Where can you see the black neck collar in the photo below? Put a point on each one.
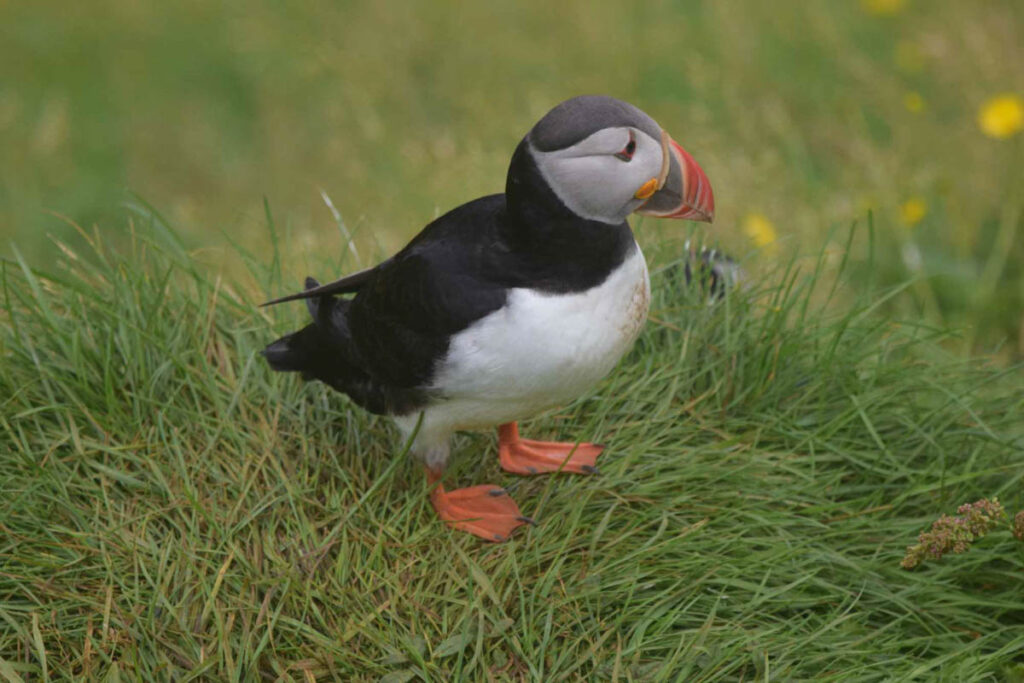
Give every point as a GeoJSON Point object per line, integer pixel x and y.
{"type": "Point", "coordinates": [563, 250]}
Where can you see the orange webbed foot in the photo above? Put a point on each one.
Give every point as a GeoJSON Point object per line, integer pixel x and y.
{"type": "Point", "coordinates": [525, 456]}
{"type": "Point", "coordinates": [485, 511]}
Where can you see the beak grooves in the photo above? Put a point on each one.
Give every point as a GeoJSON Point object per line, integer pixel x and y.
{"type": "Point", "coordinates": [698, 200]}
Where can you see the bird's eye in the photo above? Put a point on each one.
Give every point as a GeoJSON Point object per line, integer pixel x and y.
{"type": "Point", "coordinates": [626, 153]}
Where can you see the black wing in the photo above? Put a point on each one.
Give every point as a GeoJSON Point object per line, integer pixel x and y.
{"type": "Point", "coordinates": [383, 346]}
{"type": "Point", "coordinates": [403, 319]}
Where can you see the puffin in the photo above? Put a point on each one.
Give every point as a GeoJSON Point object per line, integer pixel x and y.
{"type": "Point", "coordinates": [508, 305]}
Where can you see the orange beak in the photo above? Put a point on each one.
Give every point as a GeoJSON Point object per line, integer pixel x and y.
{"type": "Point", "coordinates": [685, 191]}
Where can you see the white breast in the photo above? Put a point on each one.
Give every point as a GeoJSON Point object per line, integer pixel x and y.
{"type": "Point", "coordinates": [541, 350]}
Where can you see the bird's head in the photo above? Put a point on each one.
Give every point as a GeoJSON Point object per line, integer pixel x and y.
{"type": "Point", "coordinates": [605, 159]}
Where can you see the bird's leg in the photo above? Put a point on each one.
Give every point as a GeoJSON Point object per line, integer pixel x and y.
{"type": "Point", "coordinates": [485, 511]}
{"type": "Point", "coordinates": [525, 456]}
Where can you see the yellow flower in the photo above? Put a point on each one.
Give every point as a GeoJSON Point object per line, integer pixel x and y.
{"type": "Point", "coordinates": [1001, 116]}
{"type": "Point", "coordinates": [883, 7]}
{"type": "Point", "coordinates": [760, 230]}
{"type": "Point", "coordinates": [913, 210]}
{"type": "Point", "coordinates": [913, 102]}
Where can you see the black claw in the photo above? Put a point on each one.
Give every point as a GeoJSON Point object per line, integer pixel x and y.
{"type": "Point", "coordinates": [499, 537]}
{"type": "Point", "coordinates": [531, 470]}
{"type": "Point", "coordinates": [497, 492]}
{"type": "Point", "coordinates": [590, 470]}
{"type": "Point", "coordinates": [527, 520]}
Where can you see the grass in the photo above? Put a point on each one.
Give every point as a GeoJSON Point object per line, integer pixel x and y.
{"type": "Point", "coordinates": [172, 510]}
{"type": "Point", "coordinates": [799, 112]}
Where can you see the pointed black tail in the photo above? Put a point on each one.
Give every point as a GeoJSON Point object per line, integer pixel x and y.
{"type": "Point", "coordinates": [320, 350]}
{"type": "Point", "coordinates": [296, 352]}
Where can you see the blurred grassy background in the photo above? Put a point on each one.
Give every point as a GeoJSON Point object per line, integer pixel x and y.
{"type": "Point", "coordinates": [804, 115]}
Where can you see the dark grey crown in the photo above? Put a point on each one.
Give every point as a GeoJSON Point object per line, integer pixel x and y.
{"type": "Point", "coordinates": [580, 117]}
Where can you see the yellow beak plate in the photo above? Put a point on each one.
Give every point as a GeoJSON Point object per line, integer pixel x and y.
{"type": "Point", "coordinates": [647, 189]}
